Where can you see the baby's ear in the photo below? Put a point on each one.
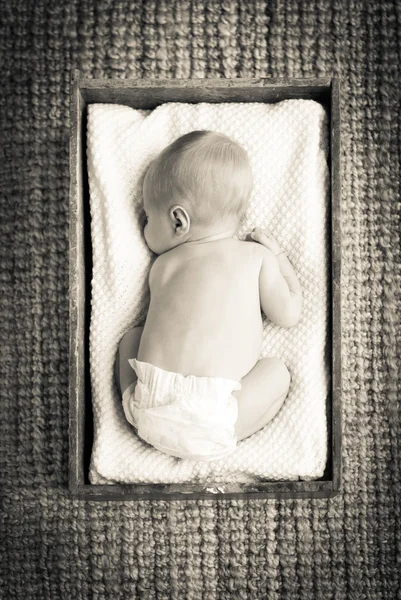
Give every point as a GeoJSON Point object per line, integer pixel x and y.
{"type": "Point", "coordinates": [180, 219]}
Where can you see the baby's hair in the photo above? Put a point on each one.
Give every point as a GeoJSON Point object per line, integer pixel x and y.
{"type": "Point", "coordinates": [205, 171]}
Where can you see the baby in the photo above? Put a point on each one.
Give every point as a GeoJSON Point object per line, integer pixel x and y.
{"type": "Point", "coordinates": [191, 380]}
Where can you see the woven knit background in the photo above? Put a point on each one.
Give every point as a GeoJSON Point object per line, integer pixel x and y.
{"type": "Point", "coordinates": [53, 547]}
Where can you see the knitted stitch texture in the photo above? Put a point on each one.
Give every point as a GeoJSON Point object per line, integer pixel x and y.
{"type": "Point", "coordinates": [348, 547]}
{"type": "Point", "coordinates": [287, 145]}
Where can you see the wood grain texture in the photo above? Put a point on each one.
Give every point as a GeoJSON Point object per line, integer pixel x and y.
{"type": "Point", "coordinates": [147, 94]}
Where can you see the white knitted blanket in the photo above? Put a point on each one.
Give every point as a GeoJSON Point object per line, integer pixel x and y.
{"type": "Point", "coordinates": [287, 144]}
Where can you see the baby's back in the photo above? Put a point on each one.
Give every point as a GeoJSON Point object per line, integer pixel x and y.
{"type": "Point", "coordinates": [204, 316]}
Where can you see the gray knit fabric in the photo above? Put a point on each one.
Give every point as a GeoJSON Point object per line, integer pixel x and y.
{"type": "Point", "coordinates": [53, 547]}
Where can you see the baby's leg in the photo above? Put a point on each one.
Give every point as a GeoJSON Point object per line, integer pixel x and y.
{"type": "Point", "coordinates": [127, 348]}
{"type": "Point", "coordinates": [263, 392]}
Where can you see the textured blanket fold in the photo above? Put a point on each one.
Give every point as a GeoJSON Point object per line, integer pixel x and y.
{"type": "Point", "coordinates": [287, 143]}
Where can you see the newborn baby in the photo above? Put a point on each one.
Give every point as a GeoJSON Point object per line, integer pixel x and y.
{"type": "Point", "coordinates": [191, 380]}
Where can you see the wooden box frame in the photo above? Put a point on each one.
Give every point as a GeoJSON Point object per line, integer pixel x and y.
{"type": "Point", "coordinates": [148, 93]}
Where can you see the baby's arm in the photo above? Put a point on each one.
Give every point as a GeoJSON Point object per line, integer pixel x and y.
{"type": "Point", "coordinates": [280, 291]}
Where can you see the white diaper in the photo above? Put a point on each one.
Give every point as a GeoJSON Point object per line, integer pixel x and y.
{"type": "Point", "coordinates": [185, 416]}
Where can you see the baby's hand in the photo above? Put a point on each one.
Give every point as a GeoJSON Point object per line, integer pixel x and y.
{"type": "Point", "coordinates": [261, 236]}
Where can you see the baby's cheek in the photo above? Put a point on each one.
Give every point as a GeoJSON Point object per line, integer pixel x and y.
{"type": "Point", "coordinates": [150, 240]}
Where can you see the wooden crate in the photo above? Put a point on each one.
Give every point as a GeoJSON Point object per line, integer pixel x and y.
{"type": "Point", "coordinates": [147, 94]}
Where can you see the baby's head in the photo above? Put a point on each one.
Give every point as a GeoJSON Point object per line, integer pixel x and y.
{"type": "Point", "coordinates": [198, 186]}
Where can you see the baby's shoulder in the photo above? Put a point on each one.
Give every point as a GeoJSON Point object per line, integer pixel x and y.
{"type": "Point", "coordinates": [252, 250]}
